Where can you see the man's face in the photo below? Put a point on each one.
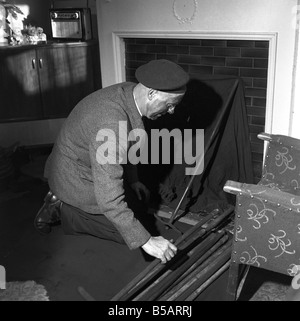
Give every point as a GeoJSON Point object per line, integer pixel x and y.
{"type": "Point", "coordinates": [160, 103]}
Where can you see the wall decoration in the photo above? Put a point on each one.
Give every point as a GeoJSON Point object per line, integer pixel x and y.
{"type": "Point", "coordinates": [185, 10]}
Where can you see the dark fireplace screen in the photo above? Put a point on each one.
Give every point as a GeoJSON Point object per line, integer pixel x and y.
{"type": "Point", "coordinates": [215, 104]}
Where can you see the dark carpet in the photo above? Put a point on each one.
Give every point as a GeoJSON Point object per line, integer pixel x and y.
{"type": "Point", "coordinates": [62, 263]}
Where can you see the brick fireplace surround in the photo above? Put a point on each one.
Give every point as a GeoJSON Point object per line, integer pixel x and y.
{"type": "Point", "coordinates": [246, 59]}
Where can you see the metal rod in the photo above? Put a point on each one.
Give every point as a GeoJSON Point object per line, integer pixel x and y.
{"type": "Point", "coordinates": [204, 272]}
{"type": "Point", "coordinates": [194, 269]}
{"type": "Point", "coordinates": [208, 282]}
{"type": "Point", "coordinates": [212, 136]}
{"type": "Point", "coordinates": [162, 283]}
{"type": "Point", "coordinates": [148, 275]}
{"type": "Point", "coordinates": [192, 235]}
{"type": "Point", "coordinates": [159, 286]}
{"type": "Point", "coordinates": [172, 226]}
{"type": "Point", "coordinates": [223, 240]}
{"type": "Point", "coordinates": [154, 266]}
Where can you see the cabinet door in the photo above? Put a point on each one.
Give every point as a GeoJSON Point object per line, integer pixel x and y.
{"type": "Point", "coordinates": [19, 85]}
{"type": "Point", "coordinates": [66, 76]}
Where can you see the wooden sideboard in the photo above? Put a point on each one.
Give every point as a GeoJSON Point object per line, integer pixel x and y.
{"type": "Point", "coordinates": [46, 81]}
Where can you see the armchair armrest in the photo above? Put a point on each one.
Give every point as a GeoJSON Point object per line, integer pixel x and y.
{"type": "Point", "coordinates": [265, 136]}
{"type": "Point", "coordinates": [233, 187]}
{"type": "Point", "coordinates": [287, 141]}
{"type": "Point", "coordinates": [264, 194]}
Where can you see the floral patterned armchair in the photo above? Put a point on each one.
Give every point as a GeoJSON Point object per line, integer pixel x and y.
{"type": "Point", "coordinates": [267, 215]}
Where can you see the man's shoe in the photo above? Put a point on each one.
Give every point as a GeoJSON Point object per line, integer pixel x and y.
{"type": "Point", "coordinates": [48, 215]}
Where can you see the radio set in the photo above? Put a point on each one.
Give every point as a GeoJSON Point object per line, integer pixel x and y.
{"type": "Point", "coordinates": [71, 24]}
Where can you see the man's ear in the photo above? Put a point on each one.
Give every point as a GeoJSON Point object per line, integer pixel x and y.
{"type": "Point", "coordinates": [151, 93]}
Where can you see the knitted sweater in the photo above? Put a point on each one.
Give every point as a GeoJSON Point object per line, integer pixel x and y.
{"type": "Point", "coordinates": [74, 172]}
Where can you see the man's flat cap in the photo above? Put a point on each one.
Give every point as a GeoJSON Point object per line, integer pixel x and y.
{"type": "Point", "coordinates": [163, 75]}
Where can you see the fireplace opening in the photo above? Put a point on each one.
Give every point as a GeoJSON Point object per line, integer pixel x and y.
{"type": "Point", "coordinates": [246, 59]}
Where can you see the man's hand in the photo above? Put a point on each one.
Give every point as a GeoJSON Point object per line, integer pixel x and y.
{"type": "Point", "coordinates": [160, 248]}
{"type": "Point", "coordinates": [141, 191]}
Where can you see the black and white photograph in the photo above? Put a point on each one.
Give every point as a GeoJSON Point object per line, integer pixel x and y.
{"type": "Point", "coordinates": [150, 153]}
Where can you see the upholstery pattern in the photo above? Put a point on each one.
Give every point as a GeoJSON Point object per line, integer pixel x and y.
{"type": "Point", "coordinates": [267, 229]}
{"type": "Point", "coordinates": [282, 165]}
{"type": "Point", "coordinates": [267, 215]}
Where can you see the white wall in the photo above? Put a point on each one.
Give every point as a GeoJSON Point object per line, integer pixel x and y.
{"type": "Point", "coordinates": [295, 111]}
{"type": "Point", "coordinates": [38, 13]}
{"type": "Point", "coordinates": [210, 16]}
